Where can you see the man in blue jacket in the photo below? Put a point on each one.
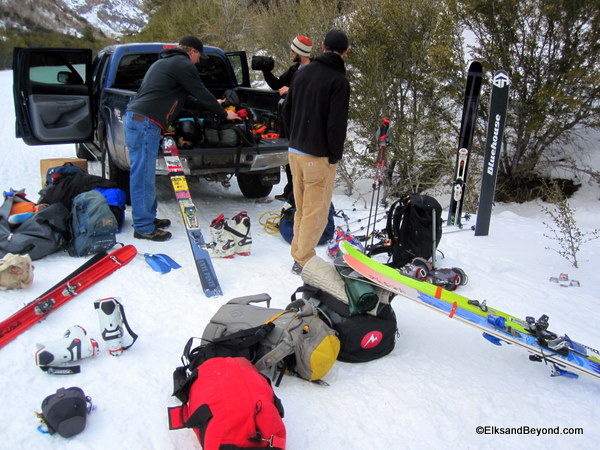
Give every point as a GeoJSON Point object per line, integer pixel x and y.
{"type": "Point", "coordinates": [316, 114]}
{"type": "Point", "coordinates": [165, 88]}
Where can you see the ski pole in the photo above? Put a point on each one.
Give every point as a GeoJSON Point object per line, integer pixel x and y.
{"type": "Point", "coordinates": [383, 139]}
{"type": "Point", "coordinates": [433, 234]}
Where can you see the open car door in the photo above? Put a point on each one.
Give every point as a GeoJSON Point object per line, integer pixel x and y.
{"type": "Point", "coordinates": [52, 94]}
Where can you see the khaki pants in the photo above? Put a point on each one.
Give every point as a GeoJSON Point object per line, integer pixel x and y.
{"type": "Point", "coordinates": [313, 188]}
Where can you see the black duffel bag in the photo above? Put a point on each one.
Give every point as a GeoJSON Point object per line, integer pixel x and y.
{"type": "Point", "coordinates": [363, 337]}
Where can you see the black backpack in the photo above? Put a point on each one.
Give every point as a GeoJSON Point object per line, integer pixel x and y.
{"type": "Point", "coordinates": [410, 229]}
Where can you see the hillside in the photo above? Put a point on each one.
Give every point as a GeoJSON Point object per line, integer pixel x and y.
{"type": "Point", "coordinates": [107, 18]}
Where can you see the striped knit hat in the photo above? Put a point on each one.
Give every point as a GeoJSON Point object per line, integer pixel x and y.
{"type": "Point", "coordinates": [301, 45]}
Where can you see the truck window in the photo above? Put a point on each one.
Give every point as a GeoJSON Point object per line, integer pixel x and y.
{"type": "Point", "coordinates": [214, 73]}
{"type": "Point", "coordinates": [56, 68]}
{"type": "Point", "coordinates": [132, 69]}
{"type": "Point", "coordinates": [237, 64]}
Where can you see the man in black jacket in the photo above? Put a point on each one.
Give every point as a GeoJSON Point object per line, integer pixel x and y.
{"type": "Point", "coordinates": [163, 93]}
{"type": "Point", "coordinates": [316, 114]}
{"type": "Point", "coordinates": [300, 49]}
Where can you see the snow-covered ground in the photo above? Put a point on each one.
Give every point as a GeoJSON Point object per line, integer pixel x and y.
{"type": "Point", "coordinates": [436, 389]}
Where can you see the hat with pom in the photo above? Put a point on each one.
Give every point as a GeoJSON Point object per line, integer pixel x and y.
{"type": "Point", "coordinates": [302, 45]}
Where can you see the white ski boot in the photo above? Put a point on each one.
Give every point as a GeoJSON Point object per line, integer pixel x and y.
{"type": "Point", "coordinates": [223, 241]}
{"type": "Point", "coordinates": [54, 357]}
{"type": "Point", "coordinates": [111, 324]}
{"type": "Point", "coordinates": [240, 229]}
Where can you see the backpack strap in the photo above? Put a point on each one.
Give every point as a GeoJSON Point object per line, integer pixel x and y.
{"type": "Point", "coordinates": [132, 334]}
{"type": "Point", "coordinates": [192, 358]}
{"type": "Point", "coordinates": [301, 308]}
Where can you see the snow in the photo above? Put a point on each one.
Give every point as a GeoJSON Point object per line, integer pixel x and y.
{"type": "Point", "coordinates": [440, 383]}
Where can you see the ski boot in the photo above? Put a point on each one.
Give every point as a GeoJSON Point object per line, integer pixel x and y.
{"type": "Point", "coordinates": [111, 324]}
{"type": "Point", "coordinates": [240, 229]}
{"type": "Point", "coordinates": [449, 279]}
{"type": "Point", "coordinates": [54, 357]}
{"type": "Point", "coordinates": [418, 269]}
{"type": "Point", "coordinates": [223, 242]}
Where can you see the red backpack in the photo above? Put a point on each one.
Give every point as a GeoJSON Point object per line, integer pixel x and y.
{"type": "Point", "coordinates": [231, 406]}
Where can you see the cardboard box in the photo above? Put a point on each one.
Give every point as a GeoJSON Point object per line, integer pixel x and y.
{"type": "Point", "coordinates": [46, 164]}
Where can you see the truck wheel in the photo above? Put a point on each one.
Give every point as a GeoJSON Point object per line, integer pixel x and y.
{"type": "Point", "coordinates": [111, 172]}
{"type": "Point", "coordinates": [251, 185]}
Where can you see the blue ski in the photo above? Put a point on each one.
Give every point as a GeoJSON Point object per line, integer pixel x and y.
{"type": "Point", "coordinates": [189, 213]}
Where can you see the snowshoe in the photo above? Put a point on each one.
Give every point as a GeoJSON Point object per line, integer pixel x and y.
{"type": "Point", "coordinates": [223, 241]}
{"type": "Point", "coordinates": [54, 357]}
{"type": "Point", "coordinates": [240, 229]}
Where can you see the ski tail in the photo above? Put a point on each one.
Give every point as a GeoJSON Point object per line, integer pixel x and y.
{"type": "Point", "coordinates": [495, 132]}
{"type": "Point", "coordinates": [467, 129]}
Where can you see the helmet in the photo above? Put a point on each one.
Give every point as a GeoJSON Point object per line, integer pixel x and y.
{"type": "Point", "coordinates": [188, 129]}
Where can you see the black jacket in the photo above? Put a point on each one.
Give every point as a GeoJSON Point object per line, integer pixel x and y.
{"type": "Point", "coordinates": [167, 85]}
{"type": "Point", "coordinates": [284, 80]}
{"type": "Point", "coordinates": [316, 108]}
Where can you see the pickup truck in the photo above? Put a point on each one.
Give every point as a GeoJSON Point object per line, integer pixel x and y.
{"type": "Point", "coordinates": [63, 96]}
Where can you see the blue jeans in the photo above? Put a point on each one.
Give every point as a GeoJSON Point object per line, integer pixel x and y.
{"type": "Point", "coordinates": [143, 140]}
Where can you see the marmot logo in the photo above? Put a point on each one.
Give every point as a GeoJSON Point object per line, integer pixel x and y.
{"type": "Point", "coordinates": [371, 339]}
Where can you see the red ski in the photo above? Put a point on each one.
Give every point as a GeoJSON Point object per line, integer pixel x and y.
{"type": "Point", "coordinates": [87, 275]}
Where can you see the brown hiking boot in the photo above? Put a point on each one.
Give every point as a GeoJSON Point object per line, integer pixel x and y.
{"type": "Point", "coordinates": [162, 223]}
{"type": "Point", "coordinates": [157, 235]}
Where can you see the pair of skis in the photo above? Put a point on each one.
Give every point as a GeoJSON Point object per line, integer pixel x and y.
{"type": "Point", "coordinates": [566, 356]}
{"type": "Point", "coordinates": [95, 269]}
{"type": "Point", "coordinates": [497, 117]}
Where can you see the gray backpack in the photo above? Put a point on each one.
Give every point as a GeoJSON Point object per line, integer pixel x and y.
{"type": "Point", "coordinates": [40, 235]}
{"type": "Point", "coordinates": [300, 342]}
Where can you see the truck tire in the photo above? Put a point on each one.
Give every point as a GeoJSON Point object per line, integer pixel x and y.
{"type": "Point", "coordinates": [111, 172]}
{"type": "Point", "coordinates": [251, 186]}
